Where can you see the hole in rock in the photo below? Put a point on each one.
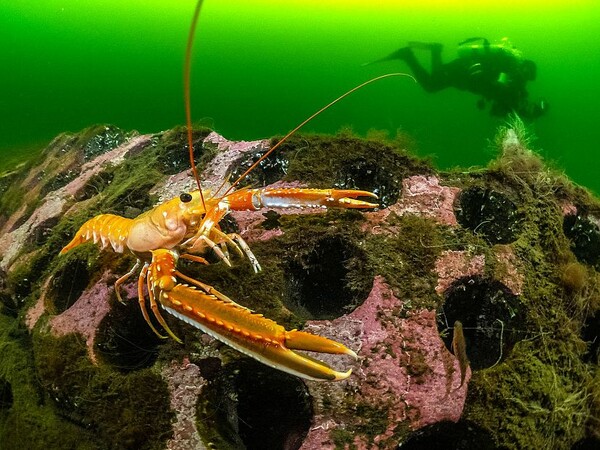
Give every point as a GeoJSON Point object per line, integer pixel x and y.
{"type": "Point", "coordinates": [173, 155]}
{"type": "Point", "coordinates": [591, 334]}
{"type": "Point", "coordinates": [124, 340]}
{"type": "Point", "coordinates": [59, 180]}
{"type": "Point", "coordinates": [9, 304]}
{"type": "Point", "coordinates": [589, 443]}
{"type": "Point", "coordinates": [446, 435]}
{"type": "Point", "coordinates": [106, 138]}
{"type": "Point", "coordinates": [584, 235]}
{"type": "Point", "coordinates": [369, 176]}
{"type": "Point", "coordinates": [252, 406]}
{"type": "Point", "coordinates": [6, 395]}
{"type": "Point", "coordinates": [488, 213]}
{"type": "Point", "coordinates": [228, 224]}
{"type": "Point", "coordinates": [271, 169]}
{"type": "Point", "coordinates": [69, 283]}
{"type": "Point", "coordinates": [317, 282]}
{"type": "Point", "coordinates": [491, 318]}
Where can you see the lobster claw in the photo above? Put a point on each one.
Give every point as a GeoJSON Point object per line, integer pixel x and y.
{"type": "Point", "coordinates": [253, 334]}
{"type": "Point", "coordinates": [255, 199]}
{"type": "Point", "coordinates": [205, 308]}
{"type": "Point", "coordinates": [310, 367]}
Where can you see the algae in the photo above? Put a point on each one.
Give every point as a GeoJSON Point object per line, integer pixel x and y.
{"type": "Point", "coordinates": [543, 394]}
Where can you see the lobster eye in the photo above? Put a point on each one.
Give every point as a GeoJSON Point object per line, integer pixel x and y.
{"type": "Point", "coordinates": [185, 197]}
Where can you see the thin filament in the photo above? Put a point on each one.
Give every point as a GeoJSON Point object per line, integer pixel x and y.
{"type": "Point", "coordinates": [272, 149]}
{"type": "Point", "coordinates": [186, 94]}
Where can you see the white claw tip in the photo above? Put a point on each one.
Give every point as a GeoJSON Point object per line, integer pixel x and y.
{"type": "Point", "coordinates": [342, 375]}
{"type": "Point", "coordinates": [351, 353]}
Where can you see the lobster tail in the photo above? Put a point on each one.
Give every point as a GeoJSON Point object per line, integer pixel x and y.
{"type": "Point", "coordinates": [106, 229]}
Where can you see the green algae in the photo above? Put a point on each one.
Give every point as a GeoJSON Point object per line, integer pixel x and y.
{"type": "Point", "coordinates": [544, 404]}
{"type": "Point", "coordinates": [31, 422]}
{"type": "Point", "coordinates": [540, 396]}
{"type": "Point", "coordinates": [129, 412]}
{"type": "Point", "coordinates": [406, 258]}
{"type": "Point", "coordinates": [541, 386]}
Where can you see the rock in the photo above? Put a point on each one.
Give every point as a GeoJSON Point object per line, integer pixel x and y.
{"type": "Point", "coordinates": [390, 284]}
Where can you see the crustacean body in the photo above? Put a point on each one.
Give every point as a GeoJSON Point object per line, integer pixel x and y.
{"type": "Point", "coordinates": [187, 227]}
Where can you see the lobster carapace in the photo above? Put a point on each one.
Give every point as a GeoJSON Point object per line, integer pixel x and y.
{"type": "Point", "coordinates": [188, 227]}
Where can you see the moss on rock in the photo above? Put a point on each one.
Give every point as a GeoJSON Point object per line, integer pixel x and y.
{"type": "Point", "coordinates": [544, 394]}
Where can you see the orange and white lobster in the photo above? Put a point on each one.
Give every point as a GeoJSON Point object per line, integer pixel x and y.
{"type": "Point", "coordinates": [187, 227]}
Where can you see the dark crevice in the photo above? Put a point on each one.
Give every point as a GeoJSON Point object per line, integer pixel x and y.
{"type": "Point", "coordinates": [369, 176]}
{"type": "Point", "coordinates": [584, 235]}
{"type": "Point", "coordinates": [69, 283]}
{"type": "Point", "coordinates": [107, 138]}
{"type": "Point", "coordinates": [491, 318]}
{"type": "Point", "coordinates": [446, 435]}
{"type": "Point", "coordinates": [252, 406]}
{"type": "Point", "coordinates": [488, 213]}
{"type": "Point", "coordinates": [591, 335]}
{"type": "Point", "coordinates": [271, 169]}
{"type": "Point", "coordinates": [125, 341]}
{"type": "Point", "coordinates": [317, 282]}
{"type": "Point", "coordinates": [6, 395]}
{"type": "Point", "coordinates": [589, 443]}
{"type": "Point", "coordinates": [173, 154]}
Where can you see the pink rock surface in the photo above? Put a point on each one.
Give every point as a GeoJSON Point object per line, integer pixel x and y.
{"type": "Point", "coordinates": [36, 311]}
{"type": "Point", "coordinates": [513, 278]}
{"type": "Point", "coordinates": [229, 151]}
{"type": "Point", "coordinates": [216, 172]}
{"type": "Point", "coordinates": [452, 265]}
{"type": "Point", "coordinates": [568, 208]}
{"type": "Point", "coordinates": [422, 196]}
{"type": "Point", "coordinates": [87, 312]}
{"type": "Point", "coordinates": [54, 203]}
{"type": "Point", "coordinates": [185, 384]}
{"type": "Point", "coordinates": [405, 371]}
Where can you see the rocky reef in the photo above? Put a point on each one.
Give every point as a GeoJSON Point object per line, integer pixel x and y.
{"type": "Point", "coordinates": [511, 251]}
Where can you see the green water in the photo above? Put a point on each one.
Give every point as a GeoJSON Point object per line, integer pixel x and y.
{"type": "Point", "coordinates": [262, 66]}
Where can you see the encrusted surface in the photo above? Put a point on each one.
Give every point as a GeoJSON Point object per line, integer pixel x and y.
{"type": "Point", "coordinates": [404, 371]}
{"type": "Point", "coordinates": [395, 266]}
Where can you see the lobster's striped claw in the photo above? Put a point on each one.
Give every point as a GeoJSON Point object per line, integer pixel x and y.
{"type": "Point", "coordinates": [254, 199]}
{"type": "Point", "coordinates": [252, 334]}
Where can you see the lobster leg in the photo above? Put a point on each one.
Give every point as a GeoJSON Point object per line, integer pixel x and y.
{"type": "Point", "coordinates": [198, 259]}
{"type": "Point", "coordinates": [124, 278]}
{"type": "Point", "coordinates": [194, 244]}
{"type": "Point", "coordinates": [237, 326]}
{"type": "Point", "coordinates": [255, 199]}
{"type": "Point", "coordinates": [142, 300]}
{"type": "Point", "coordinates": [246, 250]}
{"type": "Point", "coordinates": [154, 307]}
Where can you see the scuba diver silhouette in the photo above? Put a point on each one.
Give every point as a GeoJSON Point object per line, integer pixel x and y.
{"type": "Point", "coordinates": [496, 72]}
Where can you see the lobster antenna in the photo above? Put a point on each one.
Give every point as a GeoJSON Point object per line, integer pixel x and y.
{"type": "Point", "coordinates": [304, 122]}
{"type": "Point", "coordinates": [186, 94]}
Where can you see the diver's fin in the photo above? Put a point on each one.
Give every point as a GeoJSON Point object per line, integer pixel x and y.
{"type": "Point", "coordinates": [418, 45]}
{"type": "Point", "coordinates": [398, 54]}
{"type": "Point", "coordinates": [474, 39]}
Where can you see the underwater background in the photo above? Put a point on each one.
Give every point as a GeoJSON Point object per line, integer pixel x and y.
{"type": "Point", "coordinates": [262, 66]}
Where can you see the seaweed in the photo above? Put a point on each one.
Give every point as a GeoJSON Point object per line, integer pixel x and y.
{"type": "Point", "coordinates": [544, 393]}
